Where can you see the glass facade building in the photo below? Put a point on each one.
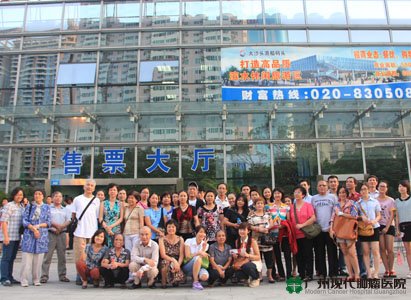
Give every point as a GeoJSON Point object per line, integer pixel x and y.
{"type": "Point", "coordinates": [142, 75]}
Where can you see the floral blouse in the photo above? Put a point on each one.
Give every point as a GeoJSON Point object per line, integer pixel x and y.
{"type": "Point", "coordinates": [210, 219]}
{"type": "Point", "coordinates": [122, 258]}
{"type": "Point", "coordinates": [34, 215]}
{"type": "Point", "coordinates": [93, 260]}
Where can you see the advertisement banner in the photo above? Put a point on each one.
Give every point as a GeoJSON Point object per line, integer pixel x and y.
{"type": "Point", "coordinates": [315, 73]}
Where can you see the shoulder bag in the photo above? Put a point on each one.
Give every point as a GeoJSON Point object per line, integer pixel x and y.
{"type": "Point", "coordinates": [364, 229]}
{"type": "Point", "coordinates": [310, 231]}
{"type": "Point", "coordinates": [74, 222]}
{"type": "Point", "coordinates": [345, 228]}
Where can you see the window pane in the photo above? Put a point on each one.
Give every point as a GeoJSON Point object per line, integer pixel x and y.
{"type": "Point", "coordinates": [328, 36]}
{"type": "Point", "coordinates": [29, 163]}
{"type": "Point", "coordinates": [75, 95]}
{"type": "Point", "coordinates": [201, 92]}
{"type": "Point", "coordinates": [8, 70]}
{"type": "Point", "coordinates": [248, 164]}
{"type": "Point", "coordinates": [243, 36]}
{"type": "Point", "coordinates": [76, 74]}
{"type": "Point", "coordinates": [159, 71]}
{"type": "Point", "coordinates": [38, 70]}
{"type": "Point", "coordinates": [116, 94]}
{"type": "Point", "coordinates": [242, 12]}
{"type": "Point", "coordinates": [119, 39]}
{"type": "Point", "coordinates": [79, 40]}
{"type": "Point", "coordinates": [81, 57]}
{"type": "Point", "coordinates": [284, 12]}
{"type": "Point", "coordinates": [161, 38]}
{"type": "Point", "coordinates": [338, 125]}
{"type": "Point", "coordinates": [366, 12]}
{"type": "Point", "coordinates": [160, 55]}
{"type": "Point", "coordinates": [160, 14]}
{"type": "Point", "coordinates": [144, 163]}
{"type": "Point", "coordinates": [57, 164]}
{"type": "Point", "coordinates": [38, 20]}
{"type": "Point", "coordinates": [40, 42]}
{"type": "Point", "coordinates": [394, 153]}
{"type": "Point", "coordinates": [201, 13]}
{"type": "Point", "coordinates": [202, 127]}
{"type": "Point", "coordinates": [293, 162]}
{"type": "Point", "coordinates": [370, 36]}
{"type": "Point", "coordinates": [118, 129]}
{"type": "Point", "coordinates": [325, 12]}
{"type": "Point", "coordinates": [31, 131]}
{"type": "Point", "coordinates": [74, 129]}
{"type": "Point", "coordinates": [286, 36]}
{"type": "Point", "coordinates": [159, 93]}
{"type": "Point", "coordinates": [35, 96]}
{"type": "Point", "coordinates": [398, 11]}
{"type": "Point", "coordinates": [10, 44]}
{"type": "Point", "coordinates": [11, 18]}
{"type": "Point", "coordinates": [121, 15]}
{"type": "Point", "coordinates": [157, 128]}
{"type": "Point", "coordinates": [201, 65]}
{"type": "Point", "coordinates": [81, 16]}
{"type": "Point", "coordinates": [202, 37]}
{"type": "Point", "coordinates": [341, 158]}
{"type": "Point", "coordinates": [6, 97]}
{"type": "Point", "coordinates": [401, 36]}
{"type": "Point", "coordinates": [118, 67]}
{"type": "Point", "coordinates": [382, 124]}
{"type": "Point", "coordinates": [243, 127]}
{"type": "Point", "coordinates": [207, 179]}
{"type": "Point", "coordinates": [292, 126]}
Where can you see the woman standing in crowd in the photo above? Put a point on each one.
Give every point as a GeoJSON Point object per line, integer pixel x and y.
{"type": "Point", "coordinates": [210, 217]}
{"type": "Point", "coordinates": [152, 218]}
{"type": "Point", "coordinates": [403, 219]}
{"type": "Point", "coordinates": [90, 262]}
{"type": "Point", "coordinates": [133, 220]}
{"type": "Point", "coordinates": [36, 221]}
{"type": "Point", "coordinates": [114, 266]}
{"type": "Point", "coordinates": [346, 208]}
{"type": "Point", "coordinates": [304, 212]}
{"type": "Point", "coordinates": [111, 214]}
{"type": "Point", "coordinates": [370, 212]}
{"type": "Point", "coordinates": [195, 256]}
{"type": "Point", "coordinates": [387, 228]}
{"type": "Point", "coordinates": [144, 194]}
{"type": "Point", "coordinates": [279, 211]}
{"type": "Point", "coordinates": [260, 223]}
{"type": "Point", "coordinates": [234, 217]}
{"type": "Point", "coordinates": [11, 221]}
{"type": "Point", "coordinates": [247, 261]}
{"type": "Point", "coordinates": [267, 195]}
{"type": "Point", "coordinates": [174, 198]}
{"type": "Point", "coordinates": [172, 256]}
{"type": "Point", "coordinates": [186, 217]}
{"type": "Point", "coordinates": [100, 195]}
{"type": "Point", "coordinates": [220, 260]}
{"type": "Point", "coordinates": [167, 208]}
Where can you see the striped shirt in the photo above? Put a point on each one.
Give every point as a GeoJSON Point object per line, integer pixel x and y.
{"type": "Point", "coordinates": [12, 215]}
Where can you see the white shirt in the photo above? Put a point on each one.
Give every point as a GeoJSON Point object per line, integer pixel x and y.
{"type": "Point", "coordinates": [250, 202]}
{"type": "Point", "coordinates": [374, 194]}
{"type": "Point", "coordinates": [87, 226]}
{"type": "Point", "coordinates": [308, 198]}
{"type": "Point", "coordinates": [193, 202]}
{"type": "Point", "coordinates": [221, 204]}
{"type": "Point", "coordinates": [194, 247]}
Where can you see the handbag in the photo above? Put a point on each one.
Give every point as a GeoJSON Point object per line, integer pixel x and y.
{"type": "Point", "coordinates": [345, 228]}
{"type": "Point", "coordinates": [310, 231]}
{"type": "Point", "coordinates": [269, 239]}
{"type": "Point", "coordinates": [74, 221]}
{"type": "Point", "coordinates": [364, 229]}
{"type": "Point", "coordinates": [239, 262]}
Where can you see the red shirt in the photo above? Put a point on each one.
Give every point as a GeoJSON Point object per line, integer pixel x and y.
{"type": "Point", "coordinates": [306, 211]}
{"type": "Point", "coordinates": [354, 196]}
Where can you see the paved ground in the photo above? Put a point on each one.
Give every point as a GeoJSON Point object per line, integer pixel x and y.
{"type": "Point", "coordinates": [57, 290]}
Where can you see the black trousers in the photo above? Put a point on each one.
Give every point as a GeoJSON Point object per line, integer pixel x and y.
{"type": "Point", "coordinates": [278, 261]}
{"type": "Point", "coordinates": [285, 248]}
{"type": "Point", "coordinates": [268, 258]}
{"type": "Point", "coordinates": [247, 270]}
{"type": "Point", "coordinates": [322, 242]}
{"type": "Point", "coordinates": [119, 275]}
{"type": "Point", "coordinates": [305, 257]}
{"type": "Point", "coordinates": [213, 275]}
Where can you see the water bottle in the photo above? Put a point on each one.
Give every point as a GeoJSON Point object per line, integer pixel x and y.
{"type": "Point", "coordinates": [239, 221]}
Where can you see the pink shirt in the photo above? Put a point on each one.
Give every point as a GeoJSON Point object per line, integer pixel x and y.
{"type": "Point", "coordinates": [387, 206]}
{"type": "Point", "coordinates": [305, 212]}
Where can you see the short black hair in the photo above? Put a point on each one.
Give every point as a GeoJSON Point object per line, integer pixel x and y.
{"type": "Point", "coordinates": [302, 189]}
{"type": "Point", "coordinates": [111, 185]}
{"type": "Point", "coordinates": [304, 180]}
{"type": "Point", "coordinates": [332, 177]}
{"type": "Point", "coordinates": [406, 183]}
{"type": "Point", "coordinates": [353, 178]}
{"type": "Point", "coordinates": [372, 176]}
{"type": "Point", "coordinates": [98, 232]}
{"type": "Point", "coordinates": [243, 186]}
{"type": "Point", "coordinates": [14, 192]}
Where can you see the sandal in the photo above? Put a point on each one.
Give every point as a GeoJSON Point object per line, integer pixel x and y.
{"type": "Point", "coordinates": [64, 279]}
{"type": "Point", "coordinates": [84, 285]}
{"type": "Point", "coordinates": [387, 274]}
{"type": "Point", "coordinates": [392, 274]}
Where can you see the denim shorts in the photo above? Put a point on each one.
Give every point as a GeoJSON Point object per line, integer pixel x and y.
{"type": "Point", "coordinates": [188, 268]}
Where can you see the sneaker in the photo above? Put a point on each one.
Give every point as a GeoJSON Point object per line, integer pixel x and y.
{"type": "Point", "coordinates": [24, 284]}
{"type": "Point", "coordinates": [409, 275]}
{"type": "Point", "coordinates": [43, 280]}
{"type": "Point", "coordinates": [197, 286]}
{"type": "Point", "coordinates": [14, 281]}
{"type": "Point", "coordinates": [6, 283]}
{"type": "Point", "coordinates": [254, 283]}
{"type": "Point", "coordinates": [37, 284]}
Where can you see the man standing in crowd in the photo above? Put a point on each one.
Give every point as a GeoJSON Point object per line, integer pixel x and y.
{"type": "Point", "coordinates": [333, 185]}
{"type": "Point", "coordinates": [192, 195]}
{"type": "Point", "coordinates": [122, 195]}
{"type": "Point", "coordinates": [323, 204]}
{"type": "Point", "coordinates": [221, 200]}
{"type": "Point", "coordinates": [57, 239]}
{"type": "Point", "coordinates": [372, 183]}
{"type": "Point", "coordinates": [255, 195]}
{"type": "Point", "coordinates": [144, 259]}
{"type": "Point", "coordinates": [245, 189]}
{"type": "Point", "coordinates": [306, 184]}
{"type": "Point", "coordinates": [87, 226]}
{"type": "Point", "coordinates": [351, 185]}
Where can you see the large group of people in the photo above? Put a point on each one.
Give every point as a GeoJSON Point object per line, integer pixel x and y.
{"type": "Point", "coordinates": [211, 237]}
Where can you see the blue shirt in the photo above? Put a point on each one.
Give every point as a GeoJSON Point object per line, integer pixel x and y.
{"type": "Point", "coordinates": [371, 207]}
{"type": "Point", "coordinates": [155, 217]}
{"type": "Point", "coordinates": [38, 214]}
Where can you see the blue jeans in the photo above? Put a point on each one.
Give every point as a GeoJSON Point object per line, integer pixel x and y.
{"type": "Point", "coordinates": [7, 260]}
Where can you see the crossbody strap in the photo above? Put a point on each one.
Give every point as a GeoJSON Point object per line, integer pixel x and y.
{"type": "Point", "coordinates": [363, 211]}
{"type": "Point", "coordinates": [295, 213]}
{"type": "Point", "coordinates": [128, 217]}
{"type": "Point", "coordinates": [92, 199]}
